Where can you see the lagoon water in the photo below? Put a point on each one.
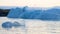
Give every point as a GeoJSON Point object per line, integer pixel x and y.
{"type": "Point", "coordinates": [32, 26]}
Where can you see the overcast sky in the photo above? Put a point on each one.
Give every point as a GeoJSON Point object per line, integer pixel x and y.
{"type": "Point", "coordinates": [31, 3]}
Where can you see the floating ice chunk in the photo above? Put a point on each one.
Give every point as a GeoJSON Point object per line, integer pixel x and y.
{"type": "Point", "coordinates": [7, 25]}
{"type": "Point", "coordinates": [17, 24]}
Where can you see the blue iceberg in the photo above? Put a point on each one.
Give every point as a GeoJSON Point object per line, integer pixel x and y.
{"type": "Point", "coordinates": [7, 25]}
{"type": "Point", "coordinates": [50, 14]}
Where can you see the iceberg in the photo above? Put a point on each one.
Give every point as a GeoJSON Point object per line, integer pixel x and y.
{"type": "Point", "coordinates": [50, 14]}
